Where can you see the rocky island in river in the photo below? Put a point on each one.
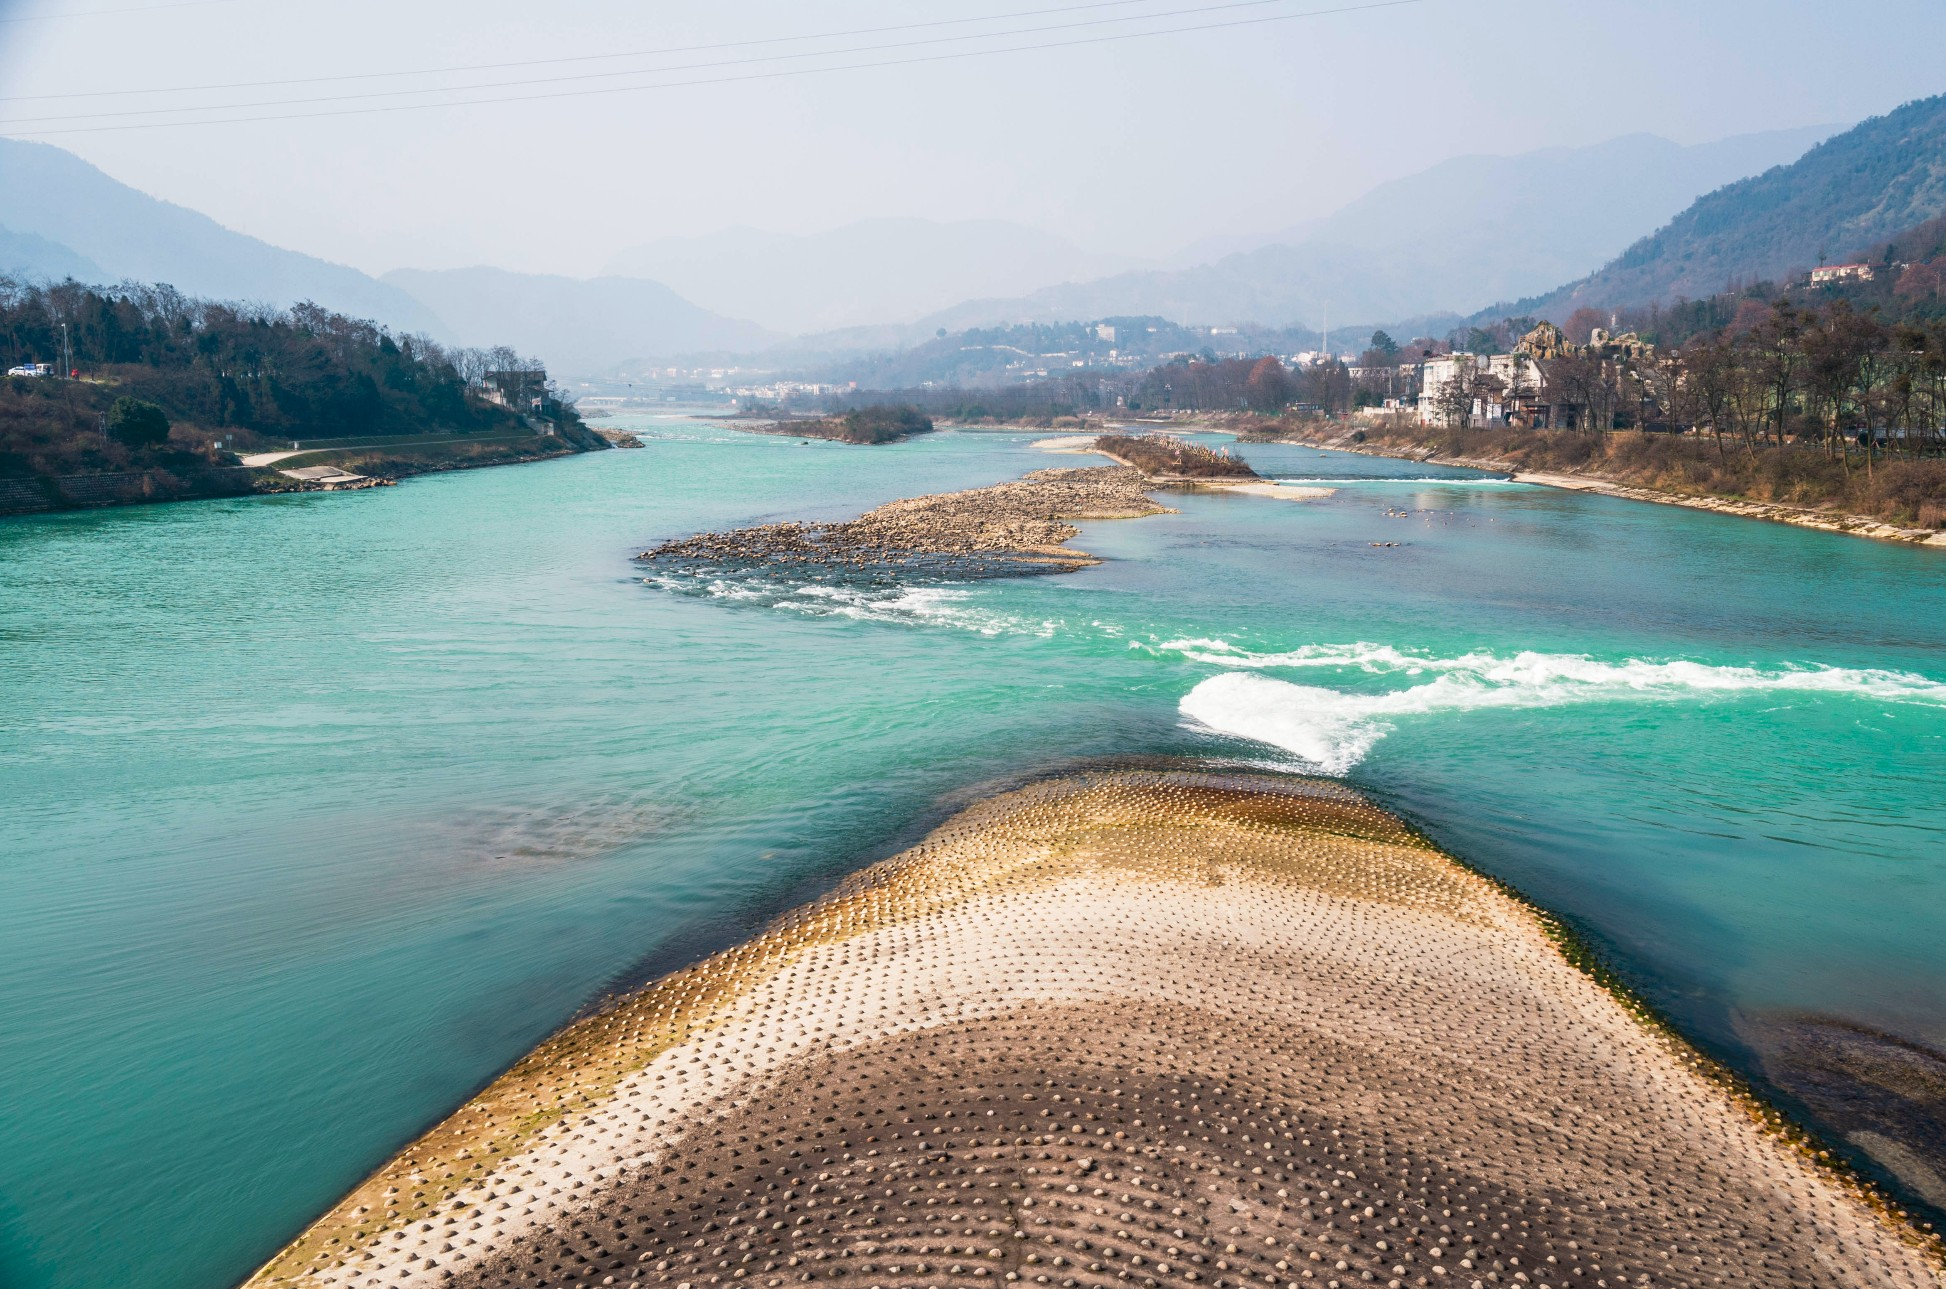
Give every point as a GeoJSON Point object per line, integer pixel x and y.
{"type": "Point", "coordinates": [1010, 528]}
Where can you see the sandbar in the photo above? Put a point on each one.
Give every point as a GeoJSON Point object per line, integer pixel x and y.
{"type": "Point", "coordinates": [1271, 488]}
{"type": "Point", "coordinates": [1013, 528]}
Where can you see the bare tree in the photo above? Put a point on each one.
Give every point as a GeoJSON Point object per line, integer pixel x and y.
{"type": "Point", "coordinates": [1467, 388]}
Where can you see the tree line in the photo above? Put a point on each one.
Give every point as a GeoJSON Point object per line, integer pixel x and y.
{"type": "Point", "coordinates": [1831, 375]}
{"type": "Point", "coordinates": [1821, 373]}
{"type": "Point", "coordinates": [1818, 372]}
{"type": "Point", "coordinates": [303, 372]}
{"type": "Point", "coordinates": [1240, 384]}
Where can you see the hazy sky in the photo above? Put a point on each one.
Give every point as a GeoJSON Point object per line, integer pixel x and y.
{"type": "Point", "coordinates": [1132, 147]}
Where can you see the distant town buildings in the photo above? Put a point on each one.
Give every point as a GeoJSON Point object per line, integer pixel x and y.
{"type": "Point", "coordinates": [1831, 274]}
{"type": "Point", "coordinates": [1547, 382]}
{"type": "Point", "coordinates": [522, 389]}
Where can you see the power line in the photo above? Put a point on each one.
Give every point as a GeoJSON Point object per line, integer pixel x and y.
{"type": "Point", "coordinates": [639, 71]}
{"type": "Point", "coordinates": [103, 13]}
{"type": "Point", "coordinates": [954, 56]}
{"type": "Point", "coordinates": [575, 58]}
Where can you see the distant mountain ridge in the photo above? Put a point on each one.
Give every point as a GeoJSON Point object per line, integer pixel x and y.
{"type": "Point", "coordinates": [1451, 238]}
{"type": "Point", "coordinates": [33, 258]}
{"type": "Point", "coordinates": [1850, 192]}
{"type": "Point", "coordinates": [580, 326]}
{"type": "Point", "coordinates": [64, 217]}
{"type": "Point", "coordinates": [875, 271]}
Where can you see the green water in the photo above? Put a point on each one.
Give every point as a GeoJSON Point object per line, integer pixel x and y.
{"type": "Point", "coordinates": [316, 811]}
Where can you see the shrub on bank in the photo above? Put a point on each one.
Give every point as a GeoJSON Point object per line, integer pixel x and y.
{"type": "Point", "coordinates": [1161, 454]}
{"type": "Point", "coordinates": [138, 423]}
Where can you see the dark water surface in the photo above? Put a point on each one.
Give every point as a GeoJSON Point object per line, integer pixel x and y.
{"type": "Point", "coordinates": [316, 811]}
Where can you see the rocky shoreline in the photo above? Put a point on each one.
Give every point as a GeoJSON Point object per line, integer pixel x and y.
{"type": "Point", "coordinates": [1830, 521]}
{"type": "Point", "coordinates": [1009, 529]}
{"type": "Point", "coordinates": [1776, 512]}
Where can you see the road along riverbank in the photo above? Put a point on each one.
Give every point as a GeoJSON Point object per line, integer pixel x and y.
{"type": "Point", "coordinates": [1140, 1027]}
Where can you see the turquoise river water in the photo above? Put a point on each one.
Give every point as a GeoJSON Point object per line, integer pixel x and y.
{"type": "Point", "coordinates": [318, 810]}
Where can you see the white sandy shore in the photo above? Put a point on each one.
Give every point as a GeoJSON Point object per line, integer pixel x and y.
{"type": "Point", "coordinates": [1271, 488]}
{"type": "Point", "coordinates": [1069, 445]}
{"type": "Point", "coordinates": [1798, 516]}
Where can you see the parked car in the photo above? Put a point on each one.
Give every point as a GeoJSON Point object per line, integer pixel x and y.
{"type": "Point", "coordinates": [32, 369]}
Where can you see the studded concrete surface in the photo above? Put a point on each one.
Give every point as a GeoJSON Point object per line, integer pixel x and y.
{"type": "Point", "coordinates": [1129, 1029]}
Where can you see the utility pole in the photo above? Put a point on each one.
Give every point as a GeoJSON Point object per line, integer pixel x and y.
{"type": "Point", "coordinates": [67, 354]}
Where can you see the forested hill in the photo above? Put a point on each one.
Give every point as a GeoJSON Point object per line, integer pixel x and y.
{"type": "Point", "coordinates": [166, 385]}
{"type": "Point", "coordinates": [1849, 193]}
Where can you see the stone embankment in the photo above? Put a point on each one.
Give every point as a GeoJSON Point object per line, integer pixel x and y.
{"type": "Point", "coordinates": [1122, 1030]}
{"type": "Point", "coordinates": [1009, 529]}
{"type": "Point", "coordinates": [132, 487]}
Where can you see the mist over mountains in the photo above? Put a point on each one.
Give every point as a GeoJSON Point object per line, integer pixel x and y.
{"type": "Point", "coordinates": [580, 325]}
{"type": "Point", "coordinates": [68, 219]}
{"type": "Point", "coordinates": [875, 271]}
{"type": "Point", "coordinates": [1451, 238]}
{"type": "Point", "coordinates": [28, 255]}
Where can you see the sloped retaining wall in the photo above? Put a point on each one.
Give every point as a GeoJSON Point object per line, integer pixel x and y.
{"type": "Point", "coordinates": [25, 497]}
{"type": "Point", "coordinates": [76, 491]}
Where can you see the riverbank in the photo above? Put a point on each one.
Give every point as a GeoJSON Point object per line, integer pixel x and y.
{"type": "Point", "coordinates": [1665, 470]}
{"type": "Point", "coordinates": [307, 470]}
{"type": "Point", "coordinates": [1317, 1051]}
{"type": "Point", "coordinates": [1010, 528]}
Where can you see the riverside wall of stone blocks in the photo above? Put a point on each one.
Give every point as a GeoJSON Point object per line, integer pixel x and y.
{"type": "Point", "coordinates": [24, 497]}
{"type": "Point", "coordinates": [121, 488]}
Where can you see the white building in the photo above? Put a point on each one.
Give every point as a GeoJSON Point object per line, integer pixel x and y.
{"type": "Point", "coordinates": [1517, 374]}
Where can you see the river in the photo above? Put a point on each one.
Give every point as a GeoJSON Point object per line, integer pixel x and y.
{"type": "Point", "coordinates": [318, 810]}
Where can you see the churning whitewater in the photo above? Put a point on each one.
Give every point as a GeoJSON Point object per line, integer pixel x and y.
{"type": "Point", "coordinates": [1331, 731]}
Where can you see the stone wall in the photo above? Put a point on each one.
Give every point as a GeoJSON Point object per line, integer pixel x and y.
{"type": "Point", "coordinates": [24, 497]}
{"type": "Point", "coordinates": [63, 492]}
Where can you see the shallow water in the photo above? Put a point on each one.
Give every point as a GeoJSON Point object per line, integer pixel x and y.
{"type": "Point", "coordinates": [318, 810]}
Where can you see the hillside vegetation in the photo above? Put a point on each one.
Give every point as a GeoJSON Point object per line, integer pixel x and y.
{"type": "Point", "coordinates": [208, 382]}
{"type": "Point", "coordinates": [1842, 197]}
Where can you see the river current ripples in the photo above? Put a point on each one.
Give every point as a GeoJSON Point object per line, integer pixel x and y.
{"type": "Point", "coordinates": [321, 809]}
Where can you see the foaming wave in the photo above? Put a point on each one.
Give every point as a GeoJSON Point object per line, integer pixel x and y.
{"type": "Point", "coordinates": [910, 605]}
{"type": "Point", "coordinates": [1332, 731]}
{"type": "Point", "coordinates": [1366, 657]}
